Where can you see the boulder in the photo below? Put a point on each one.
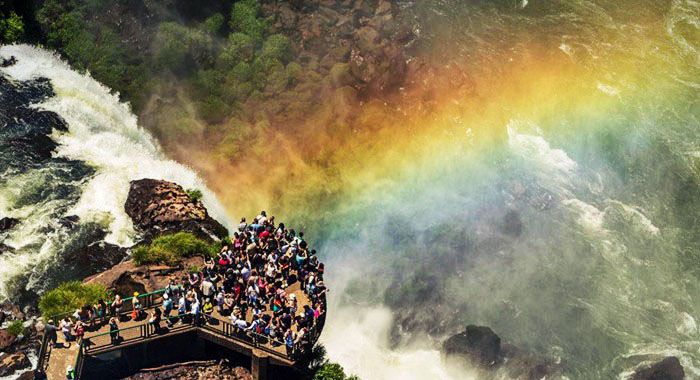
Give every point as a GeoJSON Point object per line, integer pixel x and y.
{"type": "Point", "coordinates": [478, 344]}
{"type": "Point", "coordinates": [4, 248]}
{"type": "Point", "coordinates": [8, 223]}
{"type": "Point", "coordinates": [158, 207]}
{"type": "Point", "coordinates": [9, 363]}
{"type": "Point", "coordinates": [480, 347]}
{"type": "Point", "coordinates": [669, 368]}
{"type": "Point", "coordinates": [6, 340]}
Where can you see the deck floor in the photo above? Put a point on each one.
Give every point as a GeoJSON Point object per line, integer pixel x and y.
{"type": "Point", "coordinates": [65, 353]}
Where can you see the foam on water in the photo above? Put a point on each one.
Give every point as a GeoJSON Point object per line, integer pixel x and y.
{"type": "Point", "coordinates": [104, 134]}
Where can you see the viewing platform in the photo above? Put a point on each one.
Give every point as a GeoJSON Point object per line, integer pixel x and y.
{"type": "Point", "coordinates": [90, 357]}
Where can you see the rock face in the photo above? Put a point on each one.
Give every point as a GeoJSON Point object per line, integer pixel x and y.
{"type": "Point", "coordinates": [479, 346]}
{"type": "Point", "coordinates": [159, 207]}
{"type": "Point", "coordinates": [9, 363]}
{"type": "Point", "coordinates": [6, 340]}
{"type": "Point", "coordinates": [194, 371]}
{"type": "Point", "coordinates": [669, 368]}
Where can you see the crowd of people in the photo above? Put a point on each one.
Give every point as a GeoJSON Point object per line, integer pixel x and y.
{"type": "Point", "coordinates": [248, 281]}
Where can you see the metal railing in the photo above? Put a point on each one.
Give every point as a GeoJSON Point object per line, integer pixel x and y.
{"type": "Point", "coordinates": [104, 341]}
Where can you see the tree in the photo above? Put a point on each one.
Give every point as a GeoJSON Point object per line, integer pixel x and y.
{"type": "Point", "coordinates": [245, 19]}
{"type": "Point", "coordinates": [11, 27]}
{"type": "Point", "coordinates": [332, 371]}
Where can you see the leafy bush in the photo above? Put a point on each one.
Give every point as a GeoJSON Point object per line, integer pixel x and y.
{"type": "Point", "coordinates": [11, 27]}
{"type": "Point", "coordinates": [332, 371]}
{"type": "Point", "coordinates": [195, 194]}
{"type": "Point", "coordinates": [170, 249]}
{"type": "Point", "coordinates": [245, 19]}
{"type": "Point", "coordinates": [70, 296]}
{"type": "Point", "coordinates": [16, 328]}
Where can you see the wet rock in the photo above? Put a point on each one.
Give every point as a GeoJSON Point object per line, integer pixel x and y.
{"type": "Point", "coordinates": [7, 62]}
{"type": "Point", "coordinates": [6, 340]}
{"type": "Point", "coordinates": [669, 368]}
{"type": "Point", "coordinates": [9, 363]}
{"type": "Point", "coordinates": [481, 347]}
{"type": "Point", "coordinates": [7, 223]}
{"type": "Point", "coordinates": [4, 248]}
{"type": "Point", "coordinates": [157, 207]}
{"type": "Point", "coordinates": [69, 221]}
{"type": "Point", "coordinates": [478, 344]}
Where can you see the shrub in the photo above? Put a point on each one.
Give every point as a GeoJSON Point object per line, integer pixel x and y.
{"type": "Point", "coordinates": [170, 249]}
{"type": "Point", "coordinates": [16, 328]}
{"type": "Point", "coordinates": [332, 371]}
{"type": "Point", "coordinates": [70, 296]}
{"type": "Point", "coordinates": [244, 19]}
{"type": "Point", "coordinates": [11, 27]}
{"type": "Point", "coordinates": [195, 194]}
{"type": "Point", "coordinates": [277, 47]}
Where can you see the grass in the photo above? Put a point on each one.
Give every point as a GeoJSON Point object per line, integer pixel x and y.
{"type": "Point", "coordinates": [171, 249]}
{"type": "Point", "coordinates": [70, 296]}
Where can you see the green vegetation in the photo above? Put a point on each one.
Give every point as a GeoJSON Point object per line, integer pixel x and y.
{"type": "Point", "coordinates": [11, 27]}
{"type": "Point", "coordinates": [70, 296]}
{"type": "Point", "coordinates": [195, 194]}
{"type": "Point", "coordinates": [219, 61]}
{"type": "Point", "coordinates": [333, 371]}
{"type": "Point", "coordinates": [16, 328]}
{"type": "Point", "coordinates": [171, 249]}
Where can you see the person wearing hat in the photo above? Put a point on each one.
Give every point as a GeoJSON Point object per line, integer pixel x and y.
{"type": "Point", "coordinates": [167, 305]}
{"type": "Point", "coordinates": [136, 310]}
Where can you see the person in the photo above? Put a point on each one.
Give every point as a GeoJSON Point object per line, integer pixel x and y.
{"type": "Point", "coordinates": [207, 288]}
{"type": "Point", "coordinates": [289, 341]}
{"type": "Point", "coordinates": [154, 319]}
{"type": "Point", "coordinates": [194, 310]}
{"type": "Point", "coordinates": [137, 310]}
{"type": "Point", "coordinates": [208, 308]}
{"type": "Point", "coordinates": [50, 331]}
{"type": "Point", "coordinates": [182, 305]}
{"type": "Point", "coordinates": [79, 330]}
{"type": "Point", "coordinates": [101, 310]}
{"type": "Point", "coordinates": [220, 301]}
{"type": "Point", "coordinates": [167, 305]}
{"type": "Point", "coordinates": [114, 330]}
{"type": "Point", "coordinates": [117, 305]}
{"type": "Point", "coordinates": [70, 373]}
{"type": "Point", "coordinates": [66, 327]}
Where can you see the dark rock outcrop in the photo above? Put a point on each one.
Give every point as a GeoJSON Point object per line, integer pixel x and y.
{"type": "Point", "coordinates": [159, 207]}
{"type": "Point", "coordinates": [481, 347]}
{"type": "Point", "coordinates": [479, 344]}
{"type": "Point", "coordinates": [669, 368]}
{"type": "Point", "coordinates": [7, 223]}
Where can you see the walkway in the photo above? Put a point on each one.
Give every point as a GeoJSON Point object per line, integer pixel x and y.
{"type": "Point", "coordinates": [56, 360]}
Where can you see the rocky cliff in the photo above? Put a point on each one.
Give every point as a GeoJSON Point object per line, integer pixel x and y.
{"type": "Point", "coordinates": [159, 207]}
